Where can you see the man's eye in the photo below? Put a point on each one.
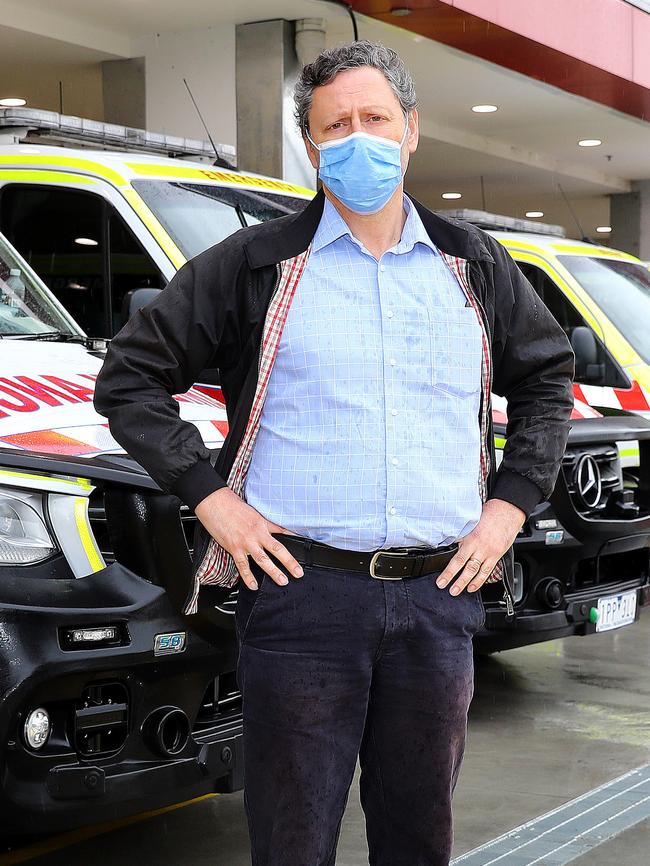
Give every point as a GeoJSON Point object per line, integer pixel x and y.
{"type": "Point", "coordinates": [376, 117]}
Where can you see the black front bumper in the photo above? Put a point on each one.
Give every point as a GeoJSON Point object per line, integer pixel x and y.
{"type": "Point", "coordinates": [535, 626]}
{"type": "Point", "coordinates": [81, 776]}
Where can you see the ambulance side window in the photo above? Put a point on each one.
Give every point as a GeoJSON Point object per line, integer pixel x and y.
{"type": "Point", "coordinates": [569, 318]}
{"type": "Point", "coordinates": [82, 250]}
{"type": "Point", "coordinates": [59, 232]}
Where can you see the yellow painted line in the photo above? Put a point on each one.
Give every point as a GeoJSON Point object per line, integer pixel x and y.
{"type": "Point", "coordinates": [95, 559]}
{"type": "Point", "coordinates": [511, 244]}
{"type": "Point", "coordinates": [65, 840]}
{"type": "Point", "coordinates": [568, 248]}
{"type": "Point", "coordinates": [594, 252]}
{"type": "Point", "coordinates": [26, 176]}
{"type": "Point", "coordinates": [161, 237]}
{"type": "Point", "coordinates": [152, 169]}
{"type": "Point", "coordinates": [72, 162]}
{"type": "Point", "coordinates": [79, 482]}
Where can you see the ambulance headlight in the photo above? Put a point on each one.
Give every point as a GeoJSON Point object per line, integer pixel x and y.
{"type": "Point", "coordinates": [24, 537]}
{"type": "Point", "coordinates": [37, 728]}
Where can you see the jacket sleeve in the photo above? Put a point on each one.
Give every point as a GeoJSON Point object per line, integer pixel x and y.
{"type": "Point", "coordinates": [533, 369]}
{"type": "Point", "coordinates": [159, 352]}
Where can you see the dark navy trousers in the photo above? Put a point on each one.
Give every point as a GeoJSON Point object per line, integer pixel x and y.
{"type": "Point", "coordinates": [338, 664]}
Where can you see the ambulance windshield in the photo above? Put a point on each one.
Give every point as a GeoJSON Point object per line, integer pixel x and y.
{"type": "Point", "coordinates": [199, 215]}
{"type": "Point", "coordinates": [26, 307]}
{"type": "Point", "coordinates": [622, 291]}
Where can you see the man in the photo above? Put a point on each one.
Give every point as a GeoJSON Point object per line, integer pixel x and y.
{"type": "Point", "coordinates": [358, 343]}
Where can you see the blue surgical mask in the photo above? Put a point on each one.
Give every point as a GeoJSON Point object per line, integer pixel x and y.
{"type": "Point", "coordinates": [361, 170]}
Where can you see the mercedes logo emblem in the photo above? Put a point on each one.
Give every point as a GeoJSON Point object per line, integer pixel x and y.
{"type": "Point", "coordinates": [588, 481]}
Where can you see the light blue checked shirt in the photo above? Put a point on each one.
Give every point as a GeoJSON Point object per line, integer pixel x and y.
{"type": "Point", "coordinates": [369, 435]}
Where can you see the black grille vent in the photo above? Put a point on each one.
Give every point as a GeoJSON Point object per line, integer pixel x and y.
{"type": "Point", "coordinates": [99, 525]}
{"type": "Point", "coordinates": [101, 719]}
{"type": "Point", "coordinates": [220, 709]}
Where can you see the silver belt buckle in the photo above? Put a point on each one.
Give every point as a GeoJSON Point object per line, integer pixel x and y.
{"type": "Point", "coordinates": [374, 560]}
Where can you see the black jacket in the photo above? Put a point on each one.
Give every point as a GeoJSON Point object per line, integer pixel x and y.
{"type": "Point", "coordinates": [212, 312]}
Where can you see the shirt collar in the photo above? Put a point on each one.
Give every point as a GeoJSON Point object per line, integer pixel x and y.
{"type": "Point", "coordinates": [332, 226]}
{"type": "Point", "coordinates": [413, 232]}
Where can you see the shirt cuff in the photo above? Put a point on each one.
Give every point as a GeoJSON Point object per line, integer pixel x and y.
{"type": "Point", "coordinates": [197, 482]}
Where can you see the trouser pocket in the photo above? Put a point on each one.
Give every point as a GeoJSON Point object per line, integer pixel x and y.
{"type": "Point", "coordinates": [247, 606]}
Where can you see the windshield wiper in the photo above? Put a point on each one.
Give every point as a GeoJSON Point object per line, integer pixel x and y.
{"type": "Point", "coordinates": [41, 335]}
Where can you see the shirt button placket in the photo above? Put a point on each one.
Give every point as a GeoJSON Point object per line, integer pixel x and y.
{"type": "Point", "coordinates": [392, 462]}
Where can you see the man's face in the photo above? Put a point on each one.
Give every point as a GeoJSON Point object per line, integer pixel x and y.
{"type": "Point", "coordinates": [359, 100]}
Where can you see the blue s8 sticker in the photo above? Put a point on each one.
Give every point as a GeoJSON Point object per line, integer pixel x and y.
{"type": "Point", "coordinates": [173, 642]}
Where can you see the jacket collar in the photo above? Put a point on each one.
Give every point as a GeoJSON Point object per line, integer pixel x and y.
{"type": "Point", "coordinates": [284, 238]}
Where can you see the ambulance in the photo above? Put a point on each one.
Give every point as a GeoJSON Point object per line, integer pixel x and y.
{"type": "Point", "coordinates": [98, 225]}
{"type": "Point", "coordinates": [600, 296]}
{"type": "Point", "coordinates": [109, 704]}
{"type": "Point", "coordinates": [111, 701]}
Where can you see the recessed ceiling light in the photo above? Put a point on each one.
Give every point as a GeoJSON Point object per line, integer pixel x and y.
{"type": "Point", "coordinates": [603, 229]}
{"type": "Point", "coordinates": [12, 102]}
{"type": "Point", "coordinates": [534, 213]}
{"type": "Point", "coordinates": [452, 195]}
{"type": "Point", "coordinates": [86, 242]}
{"type": "Point", "coordinates": [589, 142]}
{"type": "Point", "coordinates": [485, 109]}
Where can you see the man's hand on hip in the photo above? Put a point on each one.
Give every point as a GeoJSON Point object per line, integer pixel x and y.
{"type": "Point", "coordinates": [242, 531]}
{"type": "Point", "coordinates": [481, 549]}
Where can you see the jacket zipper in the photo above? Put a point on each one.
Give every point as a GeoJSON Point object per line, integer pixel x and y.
{"type": "Point", "coordinates": [507, 595]}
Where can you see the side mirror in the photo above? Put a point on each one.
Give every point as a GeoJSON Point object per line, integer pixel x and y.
{"type": "Point", "coordinates": [135, 299]}
{"type": "Point", "coordinates": [588, 368]}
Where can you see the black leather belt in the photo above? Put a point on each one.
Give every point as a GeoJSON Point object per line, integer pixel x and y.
{"type": "Point", "coordinates": [391, 564]}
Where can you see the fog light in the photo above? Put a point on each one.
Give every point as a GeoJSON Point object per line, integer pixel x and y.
{"type": "Point", "coordinates": [37, 728]}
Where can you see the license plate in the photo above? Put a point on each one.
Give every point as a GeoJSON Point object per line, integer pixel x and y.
{"type": "Point", "coordinates": [616, 610]}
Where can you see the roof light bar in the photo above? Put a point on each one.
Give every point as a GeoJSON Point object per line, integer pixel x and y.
{"type": "Point", "coordinates": [501, 222]}
{"type": "Point", "coordinates": [31, 125]}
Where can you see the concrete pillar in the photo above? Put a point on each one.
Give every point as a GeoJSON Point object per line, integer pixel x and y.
{"type": "Point", "coordinates": [268, 140]}
{"type": "Point", "coordinates": [630, 220]}
{"type": "Point", "coordinates": [123, 85]}
{"type": "Point", "coordinates": [205, 58]}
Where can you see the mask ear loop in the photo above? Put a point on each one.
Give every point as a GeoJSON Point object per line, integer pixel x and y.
{"type": "Point", "coordinates": [317, 146]}
{"type": "Point", "coordinates": [406, 129]}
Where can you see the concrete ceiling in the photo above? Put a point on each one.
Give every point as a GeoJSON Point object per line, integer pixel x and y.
{"type": "Point", "coordinates": [522, 151]}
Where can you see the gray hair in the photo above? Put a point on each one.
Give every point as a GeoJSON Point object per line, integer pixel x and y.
{"type": "Point", "coordinates": [354, 55]}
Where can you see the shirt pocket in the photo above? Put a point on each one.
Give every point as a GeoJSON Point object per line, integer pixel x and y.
{"type": "Point", "coordinates": [456, 352]}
